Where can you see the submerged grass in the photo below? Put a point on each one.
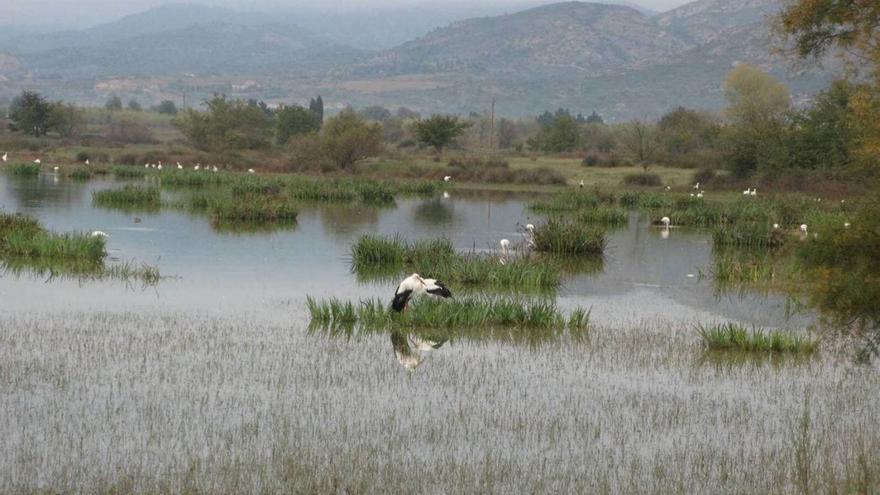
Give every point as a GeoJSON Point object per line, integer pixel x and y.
{"type": "Point", "coordinates": [732, 337]}
{"type": "Point", "coordinates": [129, 197]}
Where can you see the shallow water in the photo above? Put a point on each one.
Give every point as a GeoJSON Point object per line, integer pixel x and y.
{"type": "Point", "coordinates": [212, 382]}
{"type": "Point", "coordinates": [644, 276]}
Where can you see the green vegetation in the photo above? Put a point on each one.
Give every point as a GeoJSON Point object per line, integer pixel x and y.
{"type": "Point", "coordinates": [445, 315]}
{"type": "Point", "coordinates": [439, 131]}
{"type": "Point", "coordinates": [732, 337]}
{"type": "Point", "coordinates": [129, 197]}
{"type": "Point", "coordinates": [252, 209]}
{"type": "Point", "coordinates": [80, 174]}
{"type": "Point", "coordinates": [23, 169]}
{"type": "Point", "coordinates": [755, 235]}
{"type": "Point", "coordinates": [384, 257]}
{"type": "Point", "coordinates": [127, 172]}
{"type": "Point", "coordinates": [561, 237]}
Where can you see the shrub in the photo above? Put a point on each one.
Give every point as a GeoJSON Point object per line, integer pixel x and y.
{"type": "Point", "coordinates": [644, 179]}
{"type": "Point", "coordinates": [561, 237]}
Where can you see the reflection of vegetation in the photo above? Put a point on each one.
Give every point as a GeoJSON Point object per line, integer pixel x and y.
{"type": "Point", "coordinates": [732, 337]}
{"type": "Point", "coordinates": [434, 212]}
{"type": "Point", "coordinates": [475, 315]}
{"type": "Point", "coordinates": [251, 227]}
{"type": "Point", "coordinates": [561, 237]}
{"type": "Point", "coordinates": [383, 257]}
{"type": "Point", "coordinates": [25, 246]}
{"type": "Point", "coordinates": [127, 172]}
{"type": "Point", "coordinates": [129, 198]}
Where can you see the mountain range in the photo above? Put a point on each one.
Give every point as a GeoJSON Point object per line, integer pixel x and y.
{"type": "Point", "coordinates": [621, 61]}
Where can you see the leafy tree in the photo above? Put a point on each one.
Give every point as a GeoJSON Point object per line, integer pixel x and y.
{"type": "Point", "coordinates": [439, 131]}
{"type": "Point", "coordinates": [29, 113]}
{"type": "Point", "coordinates": [404, 113]}
{"type": "Point", "coordinates": [595, 118]}
{"type": "Point", "coordinates": [113, 103]}
{"type": "Point", "coordinates": [376, 113]}
{"type": "Point", "coordinates": [562, 134]}
{"type": "Point", "coordinates": [167, 107]}
{"type": "Point", "coordinates": [226, 124]}
{"type": "Point", "coordinates": [549, 118]}
{"type": "Point", "coordinates": [639, 139]}
{"type": "Point", "coordinates": [65, 119]}
{"type": "Point", "coordinates": [683, 131]}
{"type": "Point", "coordinates": [294, 120]}
{"type": "Point", "coordinates": [757, 108]}
{"type": "Point", "coordinates": [316, 106]}
{"type": "Point", "coordinates": [824, 135]}
{"type": "Point", "coordinates": [347, 138]}
{"type": "Point", "coordinates": [134, 106]}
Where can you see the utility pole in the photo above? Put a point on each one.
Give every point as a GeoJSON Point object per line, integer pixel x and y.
{"type": "Point", "coordinates": [492, 127]}
{"type": "Point", "coordinates": [184, 99]}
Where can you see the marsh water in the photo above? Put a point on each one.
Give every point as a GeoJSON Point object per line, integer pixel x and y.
{"type": "Point", "coordinates": [646, 273]}
{"type": "Point", "coordinates": [211, 381]}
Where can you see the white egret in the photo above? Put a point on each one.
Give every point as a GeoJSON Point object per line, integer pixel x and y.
{"type": "Point", "coordinates": [581, 185]}
{"type": "Point", "coordinates": [159, 167]}
{"type": "Point", "coordinates": [250, 171]}
{"type": "Point", "coordinates": [198, 165]}
{"type": "Point", "coordinates": [700, 194]}
{"type": "Point", "coordinates": [668, 188]}
{"type": "Point", "coordinates": [754, 192]}
{"type": "Point", "coordinates": [804, 228]}
{"type": "Point", "coordinates": [530, 228]}
{"type": "Point", "coordinates": [846, 225]}
{"type": "Point", "coordinates": [747, 192]}
{"type": "Point", "coordinates": [146, 165]}
{"type": "Point", "coordinates": [445, 195]}
{"type": "Point", "coordinates": [696, 186]}
{"type": "Point", "coordinates": [447, 178]}
{"type": "Point", "coordinates": [414, 286]}
{"type": "Point", "coordinates": [87, 161]}
{"type": "Point", "coordinates": [179, 166]}
{"type": "Point", "coordinates": [214, 168]}
{"type": "Point", "coordinates": [56, 168]}
{"type": "Point", "coordinates": [665, 221]}
{"type": "Point", "coordinates": [37, 161]}
{"type": "Point", "coordinates": [775, 225]}
{"type": "Point", "coordinates": [5, 156]}
{"type": "Point", "coordinates": [98, 233]}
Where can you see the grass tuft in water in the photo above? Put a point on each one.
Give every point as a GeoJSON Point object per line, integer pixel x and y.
{"type": "Point", "coordinates": [752, 235]}
{"type": "Point", "coordinates": [127, 172]}
{"type": "Point", "coordinates": [23, 169]}
{"type": "Point", "coordinates": [129, 197]}
{"type": "Point", "coordinates": [561, 237]}
{"type": "Point", "coordinates": [732, 337]}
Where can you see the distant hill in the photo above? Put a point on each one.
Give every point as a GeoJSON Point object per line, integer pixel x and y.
{"type": "Point", "coordinates": [615, 59]}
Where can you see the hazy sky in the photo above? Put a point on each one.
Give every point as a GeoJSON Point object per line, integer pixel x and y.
{"type": "Point", "coordinates": [89, 12]}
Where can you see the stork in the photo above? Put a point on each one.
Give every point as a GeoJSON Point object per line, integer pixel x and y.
{"type": "Point", "coordinates": [415, 286]}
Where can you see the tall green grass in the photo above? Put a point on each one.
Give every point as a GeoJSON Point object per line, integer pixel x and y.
{"type": "Point", "coordinates": [127, 172]}
{"type": "Point", "coordinates": [129, 197]}
{"type": "Point", "coordinates": [602, 215]}
{"type": "Point", "coordinates": [567, 201]}
{"type": "Point", "coordinates": [23, 237]}
{"type": "Point", "coordinates": [560, 237]}
{"type": "Point", "coordinates": [23, 169]}
{"type": "Point", "coordinates": [732, 337]}
{"type": "Point", "coordinates": [754, 235]}
{"type": "Point", "coordinates": [457, 313]}
{"type": "Point", "coordinates": [253, 209]}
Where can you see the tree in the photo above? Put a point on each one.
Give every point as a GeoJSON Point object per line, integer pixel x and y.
{"type": "Point", "coordinates": [167, 107]}
{"type": "Point", "coordinates": [757, 108]}
{"type": "Point", "coordinates": [595, 118]}
{"type": "Point", "coordinates": [347, 138]}
{"type": "Point", "coordinates": [294, 120]}
{"type": "Point", "coordinates": [404, 113]}
{"type": "Point", "coordinates": [439, 131]}
{"type": "Point", "coordinates": [824, 134]}
{"type": "Point", "coordinates": [134, 106]}
{"type": "Point", "coordinates": [226, 124]}
{"type": "Point", "coordinates": [113, 103]}
{"type": "Point", "coordinates": [639, 139]}
{"type": "Point", "coordinates": [29, 113]}
{"type": "Point", "coordinates": [316, 106]}
{"type": "Point", "coordinates": [65, 119]}
{"type": "Point", "coordinates": [563, 134]}
{"type": "Point", "coordinates": [376, 113]}
{"type": "Point", "coordinates": [683, 131]}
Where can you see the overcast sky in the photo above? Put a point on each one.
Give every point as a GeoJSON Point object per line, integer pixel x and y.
{"type": "Point", "coordinates": [89, 12]}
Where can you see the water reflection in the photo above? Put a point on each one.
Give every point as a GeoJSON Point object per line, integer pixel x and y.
{"type": "Point", "coordinates": [412, 350]}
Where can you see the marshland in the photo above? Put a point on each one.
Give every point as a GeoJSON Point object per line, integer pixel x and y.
{"type": "Point", "coordinates": [208, 285]}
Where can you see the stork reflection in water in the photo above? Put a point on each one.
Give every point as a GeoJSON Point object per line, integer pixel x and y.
{"type": "Point", "coordinates": [411, 350]}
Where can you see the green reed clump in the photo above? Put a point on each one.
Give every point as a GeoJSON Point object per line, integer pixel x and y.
{"type": "Point", "coordinates": [375, 193]}
{"type": "Point", "coordinates": [250, 185]}
{"type": "Point", "coordinates": [23, 237]}
{"type": "Point", "coordinates": [740, 268]}
{"type": "Point", "coordinates": [127, 172]}
{"type": "Point", "coordinates": [23, 169]}
{"type": "Point", "coordinates": [197, 178]}
{"type": "Point", "coordinates": [733, 337]}
{"type": "Point", "coordinates": [568, 238]}
{"type": "Point", "coordinates": [253, 209]}
{"type": "Point", "coordinates": [80, 174]}
{"type": "Point", "coordinates": [431, 313]}
{"type": "Point", "coordinates": [568, 200]}
{"type": "Point", "coordinates": [748, 235]}
{"type": "Point", "coordinates": [417, 187]}
{"type": "Point", "coordinates": [129, 196]}
{"type": "Point", "coordinates": [695, 216]}
{"type": "Point", "coordinates": [579, 320]}
{"type": "Point", "coordinates": [376, 250]}
{"type": "Point", "coordinates": [603, 215]}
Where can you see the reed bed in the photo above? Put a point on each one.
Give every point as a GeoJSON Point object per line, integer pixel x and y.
{"type": "Point", "coordinates": [458, 313]}
{"type": "Point", "coordinates": [387, 257]}
{"type": "Point", "coordinates": [23, 169]}
{"type": "Point", "coordinates": [560, 237]}
{"type": "Point", "coordinates": [24, 237]}
{"type": "Point", "coordinates": [253, 209]}
{"type": "Point", "coordinates": [567, 201]}
{"type": "Point", "coordinates": [81, 173]}
{"type": "Point", "coordinates": [603, 215]}
{"type": "Point", "coordinates": [752, 235]}
{"type": "Point", "coordinates": [733, 337]}
{"type": "Point", "coordinates": [127, 172]}
{"type": "Point", "coordinates": [129, 197]}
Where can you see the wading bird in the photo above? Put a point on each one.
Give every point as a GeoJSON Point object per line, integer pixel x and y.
{"type": "Point", "coordinates": [250, 170]}
{"type": "Point", "coordinates": [179, 166]}
{"type": "Point", "coordinates": [415, 286]}
{"type": "Point", "coordinates": [696, 186]}
{"type": "Point", "coordinates": [505, 250]}
{"type": "Point", "coordinates": [214, 168]}
{"type": "Point", "coordinates": [98, 233]}
{"type": "Point", "coordinates": [804, 228]}
{"type": "Point", "coordinates": [159, 167]}
{"type": "Point", "coordinates": [775, 225]}
{"type": "Point", "coordinates": [198, 166]}
{"type": "Point", "coordinates": [87, 161]}
{"type": "Point", "coordinates": [56, 168]}
{"type": "Point", "coordinates": [5, 156]}
{"type": "Point", "coordinates": [700, 194]}
{"type": "Point", "coordinates": [37, 161]}
{"type": "Point", "coordinates": [754, 192]}
{"type": "Point", "coordinates": [146, 165]}
{"type": "Point", "coordinates": [846, 225]}
{"type": "Point", "coordinates": [747, 192]}
{"type": "Point", "coordinates": [447, 178]}
{"type": "Point", "coordinates": [581, 185]}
